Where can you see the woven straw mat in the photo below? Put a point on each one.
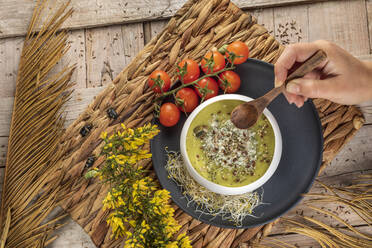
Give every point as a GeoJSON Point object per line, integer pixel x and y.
{"type": "Point", "coordinates": [196, 28]}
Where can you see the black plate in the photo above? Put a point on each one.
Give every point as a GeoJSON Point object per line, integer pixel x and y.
{"type": "Point", "coordinates": [301, 158]}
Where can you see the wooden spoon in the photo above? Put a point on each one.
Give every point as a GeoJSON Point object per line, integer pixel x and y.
{"type": "Point", "coordinates": [246, 115]}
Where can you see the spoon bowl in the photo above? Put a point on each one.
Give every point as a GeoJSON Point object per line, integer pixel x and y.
{"type": "Point", "coordinates": [246, 115]}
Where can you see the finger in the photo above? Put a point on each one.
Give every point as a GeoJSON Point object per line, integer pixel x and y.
{"type": "Point", "coordinates": [300, 100]}
{"type": "Point", "coordinates": [312, 88]}
{"type": "Point", "coordinates": [293, 53]}
{"type": "Point", "coordinates": [313, 75]}
{"type": "Point", "coordinates": [291, 98]}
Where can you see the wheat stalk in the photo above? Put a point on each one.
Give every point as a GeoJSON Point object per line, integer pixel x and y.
{"type": "Point", "coordinates": [34, 139]}
{"type": "Point", "coordinates": [357, 197]}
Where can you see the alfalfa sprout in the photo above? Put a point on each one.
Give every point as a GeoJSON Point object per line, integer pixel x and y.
{"type": "Point", "coordinates": [230, 207]}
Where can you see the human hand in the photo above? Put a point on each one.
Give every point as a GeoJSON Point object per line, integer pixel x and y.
{"type": "Point", "coordinates": [341, 78]}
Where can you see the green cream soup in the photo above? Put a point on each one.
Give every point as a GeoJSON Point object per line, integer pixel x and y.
{"type": "Point", "coordinates": [224, 154]}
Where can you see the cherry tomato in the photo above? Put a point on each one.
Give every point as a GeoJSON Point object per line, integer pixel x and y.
{"type": "Point", "coordinates": [240, 51]}
{"type": "Point", "coordinates": [207, 88]}
{"type": "Point", "coordinates": [187, 100]}
{"type": "Point", "coordinates": [159, 79]}
{"type": "Point", "coordinates": [169, 114]}
{"type": "Point", "coordinates": [191, 70]}
{"type": "Point", "coordinates": [231, 81]}
{"type": "Point", "coordinates": [218, 59]}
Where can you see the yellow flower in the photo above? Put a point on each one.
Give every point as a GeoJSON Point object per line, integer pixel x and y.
{"type": "Point", "coordinates": [142, 184]}
{"type": "Point", "coordinates": [119, 202]}
{"type": "Point", "coordinates": [130, 132]}
{"type": "Point", "coordinates": [103, 135]}
{"type": "Point", "coordinates": [117, 225]}
{"type": "Point", "coordinates": [133, 159]}
{"type": "Point", "coordinates": [171, 245]}
{"type": "Point", "coordinates": [119, 161]}
{"type": "Point", "coordinates": [108, 202]}
{"type": "Point", "coordinates": [132, 223]}
{"type": "Point", "coordinates": [134, 199]}
{"type": "Point", "coordinates": [184, 241]}
{"type": "Point", "coordinates": [127, 147]}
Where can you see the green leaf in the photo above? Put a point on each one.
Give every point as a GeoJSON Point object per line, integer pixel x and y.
{"type": "Point", "coordinates": [90, 174]}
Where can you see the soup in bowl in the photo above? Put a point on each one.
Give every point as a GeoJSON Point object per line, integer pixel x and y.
{"type": "Point", "coordinates": [224, 159]}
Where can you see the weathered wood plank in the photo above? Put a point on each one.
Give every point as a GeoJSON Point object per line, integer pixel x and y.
{"type": "Point", "coordinates": [104, 55]}
{"type": "Point", "coordinates": [109, 50]}
{"type": "Point", "coordinates": [151, 29]}
{"type": "Point", "coordinates": [156, 27]}
{"type": "Point", "coordinates": [79, 101]}
{"type": "Point", "coordinates": [72, 235]}
{"type": "Point", "coordinates": [6, 106]}
{"type": "Point", "coordinates": [15, 14]}
{"type": "Point", "coordinates": [355, 156]}
{"type": "Point", "coordinates": [133, 39]}
{"type": "Point", "coordinates": [369, 17]}
{"type": "Point", "coordinates": [265, 17]}
{"type": "Point", "coordinates": [291, 24]}
{"type": "Point", "coordinates": [3, 151]}
{"type": "Point", "coordinates": [343, 22]}
{"type": "Point", "coordinates": [10, 52]}
{"type": "Point", "coordinates": [75, 56]}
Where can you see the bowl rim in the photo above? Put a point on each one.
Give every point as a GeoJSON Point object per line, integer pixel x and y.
{"type": "Point", "coordinates": [225, 190]}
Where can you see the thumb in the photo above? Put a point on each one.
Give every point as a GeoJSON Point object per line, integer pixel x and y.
{"type": "Point", "coordinates": [313, 88]}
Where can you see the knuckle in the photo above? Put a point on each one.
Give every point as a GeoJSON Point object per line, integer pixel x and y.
{"type": "Point", "coordinates": [308, 88]}
{"type": "Point", "coordinates": [313, 89]}
{"type": "Point", "coordinates": [291, 49]}
{"type": "Point", "coordinates": [325, 44]}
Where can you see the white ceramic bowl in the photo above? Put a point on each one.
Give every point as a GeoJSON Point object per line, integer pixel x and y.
{"type": "Point", "coordinates": [224, 190]}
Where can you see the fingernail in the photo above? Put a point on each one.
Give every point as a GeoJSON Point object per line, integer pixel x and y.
{"type": "Point", "coordinates": [293, 88]}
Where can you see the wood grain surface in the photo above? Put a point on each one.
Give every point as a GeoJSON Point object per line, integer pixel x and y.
{"type": "Point", "coordinates": [15, 14]}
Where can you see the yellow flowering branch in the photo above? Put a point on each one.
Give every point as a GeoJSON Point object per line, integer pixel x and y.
{"type": "Point", "coordinates": [140, 211]}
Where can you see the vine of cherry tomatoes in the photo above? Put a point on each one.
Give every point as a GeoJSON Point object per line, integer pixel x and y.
{"type": "Point", "coordinates": [195, 88]}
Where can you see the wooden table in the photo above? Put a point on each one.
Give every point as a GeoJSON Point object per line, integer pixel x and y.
{"type": "Point", "coordinates": [106, 35]}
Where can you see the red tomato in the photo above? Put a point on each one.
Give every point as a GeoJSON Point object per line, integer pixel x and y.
{"type": "Point", "coordinates": [207, 61]}
{"type": "Point", "coordinates": [169, 114]}
{"type": "Point", "coordinates": [190, 72]}
{"type": "Point", "coordinates": [187, 100]}
{"type": "Point", "coordinates": [207, 88]}
{"type": "Point", "coordinates": [159, 79]}
{"type": "Point", "coordinates": [240, 51]}
{"type": "Point", "coordinates": [231, 81]}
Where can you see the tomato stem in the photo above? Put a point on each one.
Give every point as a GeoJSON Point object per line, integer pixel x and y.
{"type": "Point", "coordinates": [172, 92]}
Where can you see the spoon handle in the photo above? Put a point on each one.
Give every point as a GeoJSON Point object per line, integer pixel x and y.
{"type": "Point", "coordinates": [309, 65]}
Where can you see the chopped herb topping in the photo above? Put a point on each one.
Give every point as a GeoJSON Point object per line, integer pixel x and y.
{"type": "Point", "coordinates": [228, 147]}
